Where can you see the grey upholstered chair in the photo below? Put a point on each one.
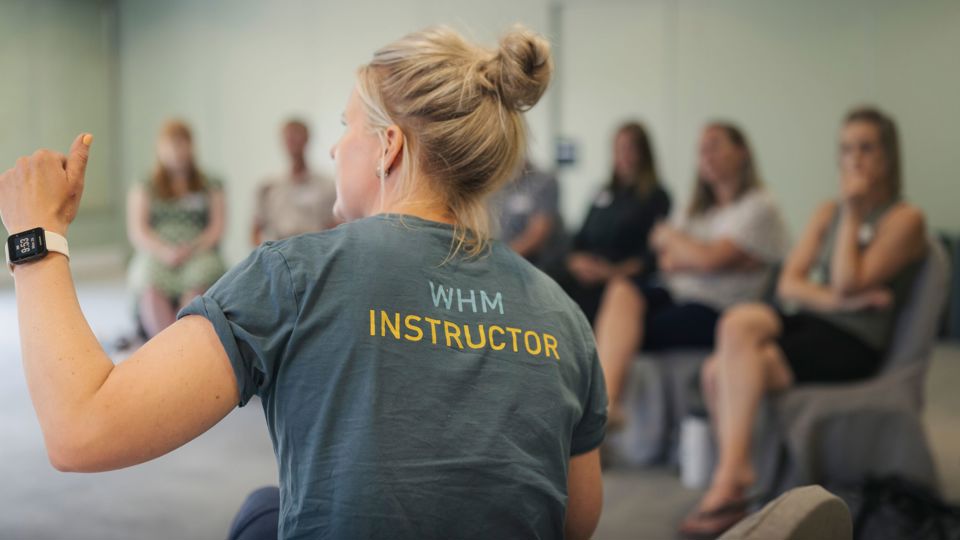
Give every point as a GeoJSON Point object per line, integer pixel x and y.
{"type": "Point", "coordinates": [841, 434]}
{"type": "Point", "coordinates": [804, 513]}
{"type": "Point", "coordinates": [657, 395]}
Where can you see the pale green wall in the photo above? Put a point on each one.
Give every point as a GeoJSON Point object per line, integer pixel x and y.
{"type": "Point", "coordinates": [56, 61]}
{"type": "Point", "coordinates": [785, 71]}
{"type": "Point", "coordinates": [236, 69]}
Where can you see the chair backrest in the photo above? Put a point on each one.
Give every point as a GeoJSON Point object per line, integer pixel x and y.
{"type": "Point", "coordinates": [917, 324]}
{"type": "Point", "coordinates": [804, 513]}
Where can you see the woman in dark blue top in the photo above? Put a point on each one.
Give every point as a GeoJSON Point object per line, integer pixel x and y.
{"type": "Point", "coordinates": [613, 239]}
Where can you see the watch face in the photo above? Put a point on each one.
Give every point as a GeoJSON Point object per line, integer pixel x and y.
{"type": "Point", "coordinates": [26, 246]}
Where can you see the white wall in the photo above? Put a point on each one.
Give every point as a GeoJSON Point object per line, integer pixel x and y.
{"type": "Point", "coordinates": [785, 71]}
{"type": "Point", "coordinates": [236, 69]}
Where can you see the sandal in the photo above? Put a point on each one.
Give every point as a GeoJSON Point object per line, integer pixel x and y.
{"type": "Point", "coordinates": [700, 525]}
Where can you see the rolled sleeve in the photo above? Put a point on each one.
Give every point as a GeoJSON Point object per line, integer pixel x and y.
{"type": "Point", "coordinates": [253, 311]}
{"type": "Point", "coordinates": [590, 430]}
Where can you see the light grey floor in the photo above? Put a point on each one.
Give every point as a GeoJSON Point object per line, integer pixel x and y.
{"type": "Point", "coordinates": [193, 492]}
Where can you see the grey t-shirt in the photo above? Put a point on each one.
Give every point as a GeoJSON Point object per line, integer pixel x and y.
{"type": "Point", "coordinates": [409, 397]}
{"type": "Point", "coordinates": [513, 206]}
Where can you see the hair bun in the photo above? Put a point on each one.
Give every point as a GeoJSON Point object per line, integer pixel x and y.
{"type": "Point", "coordinates": [524, 67]}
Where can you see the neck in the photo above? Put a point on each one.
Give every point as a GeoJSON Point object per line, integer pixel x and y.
{"type": "Point", "coordinates": [725, 192]}
{"type": "Point", "coordinates": [298, 166]}
{"type": "Point", "coordinates": [423, 203]}
{"type": "Point", "coordinates": [876, 199]}
{"type": "Point", "coordinates": [425, 211]}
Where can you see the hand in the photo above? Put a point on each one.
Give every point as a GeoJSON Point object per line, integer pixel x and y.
{"type": "Point", "coordinates": [174, 255]}
{"type": "Point", "coordinates": [854, 188]}
{"type": "Point", "coordinates": [589, 269]}
{"type": "Point", "coordinates": [660, 236]}
{"type": "Point", "coordinates": [181, 254]}
{"type": "Point", "coordinates": [666, 263]}
{"type": "Point", "coordinates": [872, 299]}
{"type": "Point", "coordinates": [44, 190]}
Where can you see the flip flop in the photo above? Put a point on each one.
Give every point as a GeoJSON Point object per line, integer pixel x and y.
{"type": "Point", "coordinates": [700, 525]}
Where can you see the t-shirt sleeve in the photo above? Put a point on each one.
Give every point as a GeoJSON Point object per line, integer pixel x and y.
{"type": "Point", "coordinates": [253, 309]}
{"type": "Point", "coordinates": [590, 430]}
{"type": "Point", "coordinates": [757, 228]}
{"type": "Point", "coordinates": [546, 198]}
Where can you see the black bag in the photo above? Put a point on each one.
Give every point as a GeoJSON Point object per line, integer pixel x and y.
{"type": "Point", "coordinates": [896, 508]}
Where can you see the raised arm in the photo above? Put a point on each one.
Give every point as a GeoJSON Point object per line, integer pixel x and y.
{"type": "Point", "coordinates": [96, 416]}
{"type": "Point", "coordinates": [794, 285]}
{"type": "Point", "coordinates": [898, 241]}
{"type": "Point", "coordinates": [877, 259]}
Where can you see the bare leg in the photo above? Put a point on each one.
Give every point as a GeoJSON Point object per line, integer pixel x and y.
{"type": "Point", "coordinates": [156, 311]}
{"type": "Point", "coordinates": [619, 330]}
{"type": "Point", "coordinates": [748, 364]}
{"type": "Point", "coordinates": [708, 387]}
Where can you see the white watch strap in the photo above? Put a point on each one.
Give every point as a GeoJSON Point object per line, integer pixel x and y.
{"type": "Point", "coordinates": [54, 241]}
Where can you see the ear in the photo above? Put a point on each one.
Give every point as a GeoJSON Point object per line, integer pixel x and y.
{"type": "Point", "coordinates": [395, 141]}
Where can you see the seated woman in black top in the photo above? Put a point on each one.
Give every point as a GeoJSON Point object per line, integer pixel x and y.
{"type": "Point", "coordinates": [613, 239]}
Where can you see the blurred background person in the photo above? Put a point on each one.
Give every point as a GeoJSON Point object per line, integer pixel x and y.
{"type": "Point", "coordinates": [175, 221]}
{"type": "Point", "coordinates": [716, 254]}
{"type": "Point", "coordinates": [297, 202]}
{"type": "Point", "coordinates": [613, 239]}
{"type": "Point", "coordinates": [528, 212]}
{"type": "Point", "coordinates": [847, 278]}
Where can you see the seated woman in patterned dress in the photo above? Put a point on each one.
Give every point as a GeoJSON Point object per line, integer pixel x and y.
{"type": "Point", "coordinates": [175, 221]}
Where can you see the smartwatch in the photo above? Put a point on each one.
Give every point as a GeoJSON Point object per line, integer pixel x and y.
{"type": "Point", "coordinates": [32, 245]}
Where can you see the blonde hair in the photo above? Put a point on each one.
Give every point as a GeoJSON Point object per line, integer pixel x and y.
{"type": "Point", "coordinates": [460, 109]}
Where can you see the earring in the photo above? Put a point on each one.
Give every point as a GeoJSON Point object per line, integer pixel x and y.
{"type": "Point", "coordinates": [381, 174]}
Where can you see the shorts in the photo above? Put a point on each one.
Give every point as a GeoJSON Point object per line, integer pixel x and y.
{"type": "Point", "coordinates": [673, 325]}
{"type": "Point", "coordinates": [818, 351]}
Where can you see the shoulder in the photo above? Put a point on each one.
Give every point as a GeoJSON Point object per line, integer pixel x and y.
{"type": "Point", "coordinates": [143, 187]}
{"type": "Point", "coordinates": [758, 205]}
{"type": "Point", "coordinates": [356, 239]}
{"type": "Point", "coordinates": [759, 199]}
{"type": "Point", "coordinates": [140, 189]}
{"type": "Point", "coordinates": [906, 218]}
{"type": "Point", "coordinates": [824, 214]}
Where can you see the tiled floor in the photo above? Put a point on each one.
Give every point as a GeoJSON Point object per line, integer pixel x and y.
{"type": "Point", "coordinates": [194, 491]}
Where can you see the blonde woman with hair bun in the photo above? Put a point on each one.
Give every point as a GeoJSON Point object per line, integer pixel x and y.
{"type": "Point", "coordinates": [419, 379]}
